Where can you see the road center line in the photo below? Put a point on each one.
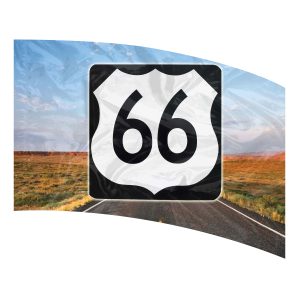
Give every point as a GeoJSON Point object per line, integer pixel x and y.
{"type": "Point", "coordinates": [282, 235]}
{"type": "Point", "coordinates": [88, 209]}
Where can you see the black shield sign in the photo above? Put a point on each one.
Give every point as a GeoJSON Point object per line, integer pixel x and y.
{"type": "Point", "coordinates": [155, 132]}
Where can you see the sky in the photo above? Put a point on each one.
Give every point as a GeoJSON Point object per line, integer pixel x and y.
{"type": "Point", "coordinates": [51, 96]}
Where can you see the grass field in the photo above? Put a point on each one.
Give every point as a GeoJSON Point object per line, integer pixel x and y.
{"type": "Point", "coordinates": [256, 183]}
{"type": "Point", "coordinates": [58, 181]}
{"type": "Point", "coordinates": [50, 181]}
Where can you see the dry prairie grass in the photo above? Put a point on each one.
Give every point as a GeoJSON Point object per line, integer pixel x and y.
{"type": "Point", "coordinates": [256, 183]}
{"type": "Point", "coordinates": [53, 181]}
{"type": "Point", "coordinates": [58, 181]}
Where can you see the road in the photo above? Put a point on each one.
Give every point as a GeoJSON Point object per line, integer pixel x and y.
{"type": "Point", "coordinates": [220, 218]}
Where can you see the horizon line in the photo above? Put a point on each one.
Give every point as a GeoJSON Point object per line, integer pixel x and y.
{"type": "Point", "coordinates": [239, 153]}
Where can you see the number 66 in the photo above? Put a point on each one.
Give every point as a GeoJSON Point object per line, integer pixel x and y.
{"type": "Point", "coordinates": [166, 124]}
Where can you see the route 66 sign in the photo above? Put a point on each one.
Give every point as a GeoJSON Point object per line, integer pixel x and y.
{"type": "Point", "coordinates": [155, 132]}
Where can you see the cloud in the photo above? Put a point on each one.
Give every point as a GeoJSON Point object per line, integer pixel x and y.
{"type": "Point", "coordinates": [256, 139]}
{"type": "Point", "coordinates": [35, 103]}
{"type": "Point", "coordinates": [49, 132]}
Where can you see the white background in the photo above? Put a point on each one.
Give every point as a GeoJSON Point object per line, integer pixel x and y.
{"type": "Point", "coordinates": [56, 255]}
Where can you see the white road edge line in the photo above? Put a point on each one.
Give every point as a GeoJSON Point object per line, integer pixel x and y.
{"type": "Point", "coordinates": [88, 209]}
{"type": "Point", "coordinates": [282, 235]}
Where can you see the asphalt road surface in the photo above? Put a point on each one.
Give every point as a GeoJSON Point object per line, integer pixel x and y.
{"type": "Point", "coordinates": [220, 218]}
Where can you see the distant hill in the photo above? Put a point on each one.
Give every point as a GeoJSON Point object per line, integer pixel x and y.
{"type": "Point", "coordinates": [49, 153]}
{"type": "Point", "coordinates": [271, 155]}
{"type": "Point", "coordinates": [257, 155]}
